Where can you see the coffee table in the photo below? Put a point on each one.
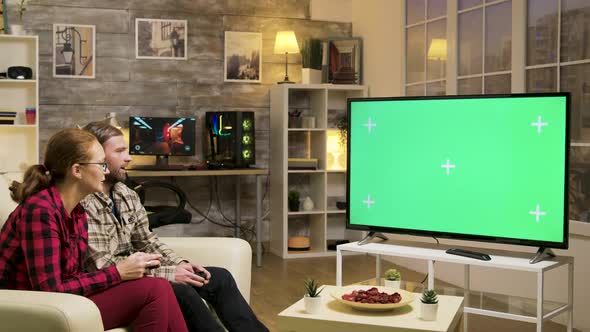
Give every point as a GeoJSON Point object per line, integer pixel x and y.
{"type": "Point", "coordinates": [335, 316]}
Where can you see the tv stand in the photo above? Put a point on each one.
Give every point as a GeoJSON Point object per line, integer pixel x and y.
{"type": "Point", "coordinates": [511, 261]}
{"type": "Point", "coordinates": [542, 254]}
{"type": "Point", "coordinates": [162, 161]}
{"type": "Point", "coordinates": [372, 235]}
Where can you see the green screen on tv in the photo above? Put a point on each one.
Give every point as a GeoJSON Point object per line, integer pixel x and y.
{"type": "Point", "coordinates": [491, 168]}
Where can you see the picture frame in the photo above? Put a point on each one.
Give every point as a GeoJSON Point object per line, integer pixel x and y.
{"type": "Point", "coordinates": [3, 17]}
{"type": "Point", "coordinates": [345, 60]}
{"type": "Point", "coordinates": [74, 51]}
{"type": "Point", "coordinates": [242, 61]}
{"type": "Point", "coordinates": [165, 39]}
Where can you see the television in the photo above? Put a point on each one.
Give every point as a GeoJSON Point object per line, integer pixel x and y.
{"type": "Point", "coordinates": [162, 137]}
{"type": "Point", "coordinates": [488, 168]}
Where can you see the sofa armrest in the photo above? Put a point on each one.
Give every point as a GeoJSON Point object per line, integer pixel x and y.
{"type": "Point", "coordinates": [233, 254]}
{"type": "Point", "coordinates": [47, 311]}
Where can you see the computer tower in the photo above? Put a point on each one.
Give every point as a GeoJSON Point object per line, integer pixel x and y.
{"type": "Point", "coordinates": [230, 139]}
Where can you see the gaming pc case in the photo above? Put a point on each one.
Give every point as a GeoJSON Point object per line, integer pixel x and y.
{"type": "Point", "coordinates": [229, 139]}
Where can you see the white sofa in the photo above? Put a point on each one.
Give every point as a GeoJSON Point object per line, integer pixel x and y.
{"type": "Point", "coordinates": [57, 312]}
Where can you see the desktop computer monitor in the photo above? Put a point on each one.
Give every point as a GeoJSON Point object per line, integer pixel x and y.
{"type": "Point", "coordinates": [162, 137]}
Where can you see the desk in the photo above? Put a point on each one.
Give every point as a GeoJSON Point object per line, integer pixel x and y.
{"type": "Point", "coordinates": [337, 317]}
{"type": "Point", "coordinates": [226, 172]}
{"type": "Point", "coordinates": [516, 262]}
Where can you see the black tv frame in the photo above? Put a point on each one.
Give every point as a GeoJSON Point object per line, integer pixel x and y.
{"type": "Point", "coordinates": [461, 236]}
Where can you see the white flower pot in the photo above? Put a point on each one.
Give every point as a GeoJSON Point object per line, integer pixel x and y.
{"type": "Point", "coordinates": [17, 29]}
{"type": "Point", "coordinates": [311, 76]}
{"type": "Point", "coordinates": [392, 283]}
{"type": "Point", "coordinates": [428, 311]}
{"type": "Point", "coordinates": [312, 304]}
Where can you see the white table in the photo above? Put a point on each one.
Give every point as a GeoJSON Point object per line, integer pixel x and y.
{"type": "Point", "coordinates": [337, 317]}
{"type": "Point", "coordinates": [513, 261]}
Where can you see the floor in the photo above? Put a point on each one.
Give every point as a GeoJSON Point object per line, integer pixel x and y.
{"type": "Point", "coordinates": [279, 283]}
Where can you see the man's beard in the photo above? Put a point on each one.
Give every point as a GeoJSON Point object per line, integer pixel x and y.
{"type": "Point", "coordinates": [114, 177]}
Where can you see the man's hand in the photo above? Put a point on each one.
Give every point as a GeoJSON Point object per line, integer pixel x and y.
{"type": "Point", "coordinates": [134, 266]}
{"type": "Point", "coordinates": [199, 268]}
{"type": "Point", "coordinates": [185, 274]}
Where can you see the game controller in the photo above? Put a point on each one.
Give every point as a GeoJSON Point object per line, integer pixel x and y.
{"type": "Point", "coordinates": [201, 274]}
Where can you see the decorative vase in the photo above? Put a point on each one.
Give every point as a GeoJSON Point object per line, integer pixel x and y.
{"type": "Point", "coordinates": [17, 29]}
{"type": "Point", "coordinates": [311, 76]}
{"type": "Point", "coordinates": [307, 204]}
{"type": "Point", "coordinates": [312, 305]}
{"type": "Point", "coordinates": [392, 283]}
{"type": "Point", "coordinates": [428, 311]}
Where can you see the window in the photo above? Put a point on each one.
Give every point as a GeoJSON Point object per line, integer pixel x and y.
{"type": "Point", "coordinates": [484, 47]}
{"type": "Point", "coordinates": [558, 59]}
{"type": "Point", "coordinates": [426, 50]}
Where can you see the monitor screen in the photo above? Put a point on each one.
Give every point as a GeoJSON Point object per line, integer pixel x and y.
{"type": "Point", "coordinates": [486, 168]}
{"type": "Point", "coordinates": [162, 136]}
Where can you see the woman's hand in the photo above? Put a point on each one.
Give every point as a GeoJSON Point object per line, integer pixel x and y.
{"type": "Point", "coordinates": [135, 266]}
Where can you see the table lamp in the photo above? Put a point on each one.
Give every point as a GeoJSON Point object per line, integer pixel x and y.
{"type": "Point", "coordinates": [286, 43]}
{"type": "Point", "coordinates": [438, 51]}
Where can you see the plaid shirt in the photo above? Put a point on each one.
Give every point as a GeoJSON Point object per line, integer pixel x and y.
{"type": "Point", "coordinates": [112, 239]}
{"type": "Point", "coordinates": [42, 248]}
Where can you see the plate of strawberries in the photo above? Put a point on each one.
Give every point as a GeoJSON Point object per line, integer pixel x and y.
{"type": "Point", "coordinates": [376, 298]}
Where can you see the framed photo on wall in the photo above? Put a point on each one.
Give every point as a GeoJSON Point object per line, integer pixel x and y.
{"type": "Point", "coordinates": [3, 21]}
{"type": "Point", "coordinates": [242, 57]}
{"type": "Point", "coordinates": [344, 60]}
{"type": "Point", "coordinates": [161, 39]}
{"type": "Point", "coordinates": [74, 51]}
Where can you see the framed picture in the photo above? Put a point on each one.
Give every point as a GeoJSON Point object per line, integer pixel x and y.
{"type": "Point", "coordinates": [243, 60]}
{"type": "Point", "coordinates": [74, 51]}
{"type": "Point", "coordinates": [3, 21]}
{"type": "Point", "coordinates": [344, 60]}
{"type": "Point", "coordinates": [160, 39]}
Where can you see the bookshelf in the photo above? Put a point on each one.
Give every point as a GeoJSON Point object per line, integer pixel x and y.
{"type": "Point", "coordinates": [20, 147]}
{"type": "Point", "coordinates": [318, 138]}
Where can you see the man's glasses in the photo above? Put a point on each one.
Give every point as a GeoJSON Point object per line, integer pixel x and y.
{"type": "Point", "coordinates": [102, 165]}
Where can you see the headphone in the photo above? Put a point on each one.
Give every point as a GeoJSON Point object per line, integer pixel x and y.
{"type": "Point", "coordinates": [162, 215]}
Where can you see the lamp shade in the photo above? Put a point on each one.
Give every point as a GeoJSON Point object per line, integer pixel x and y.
{"type": "Point", "coordinates": [68, 53]}
{"type": "Point", "coordinates": [286, 43]}
{"type": "Point", "coordinates": [437, 49]}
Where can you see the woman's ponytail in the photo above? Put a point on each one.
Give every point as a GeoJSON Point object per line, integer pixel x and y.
{"type": "Point", "coordinates": [37, 178]}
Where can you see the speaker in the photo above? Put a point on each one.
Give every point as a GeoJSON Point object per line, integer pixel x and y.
{"type": "Point", "coordinates": [230, 139]}
{"type": "Point", "coordinates": [20, 73]}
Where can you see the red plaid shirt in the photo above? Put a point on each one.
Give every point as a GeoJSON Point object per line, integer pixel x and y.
{"type": "Point", "coordinates": [43, 248]}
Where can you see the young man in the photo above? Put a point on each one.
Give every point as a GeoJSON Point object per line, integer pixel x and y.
{"type": "Point", "coordinates": [118, 227]}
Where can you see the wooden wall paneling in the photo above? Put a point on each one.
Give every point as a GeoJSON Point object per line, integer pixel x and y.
{"type": "Point", "coordinates": [130, 86]}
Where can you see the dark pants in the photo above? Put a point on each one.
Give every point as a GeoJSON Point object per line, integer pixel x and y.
{"type": "Point", "coordinates": [225, 297]}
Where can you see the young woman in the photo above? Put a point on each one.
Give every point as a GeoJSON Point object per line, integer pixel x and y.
{"type": "Point", "coordinates": [44, 240]}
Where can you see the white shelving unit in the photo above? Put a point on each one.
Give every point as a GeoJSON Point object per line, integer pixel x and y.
{"type": "Point", "coordinates": [325, 103]}
{"type": "Point", "coordinates": [20, 142]}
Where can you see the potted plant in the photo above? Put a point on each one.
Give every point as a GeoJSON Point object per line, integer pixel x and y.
{"type": "Point", "coordinates": [293, 200]}
{"type": "Point", "coordinates": [312, 300]}
{"type": "Point", "coordinates": [392, 278]}
{"type": "Point", "coordinates": [311, 61]}
{"type": "Point", "coordinates": [429, 305]}
{"type": "Point", "coordinates": [342, 125]}
{"type": "Point", "coordinates": [21, 8]}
